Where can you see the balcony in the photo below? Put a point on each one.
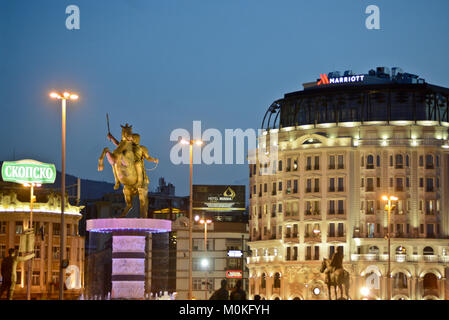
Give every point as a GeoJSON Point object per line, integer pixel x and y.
{"type": "Point", "coordinates": [315, 214]}
{"type": "Point", "coordinates": [336, 237]}
{"type": "Point", "coordinates": [312, 237]}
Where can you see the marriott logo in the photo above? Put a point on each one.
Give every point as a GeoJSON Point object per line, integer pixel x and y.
{"type": "Point", "coordinates": [347, 79]}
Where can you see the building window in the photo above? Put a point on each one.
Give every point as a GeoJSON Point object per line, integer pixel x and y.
{"type": "Point", "coordinates": [277, 280]}
{"type": "Point", "coordinates": [331, 184]}
{"type": "Point", "coordinates": [3, 226]}
{"type": "Point", "coordinates": [378, 161]}
{"type": "Point", "coordinates": [19, 227]}
{"type": "Point", "coordinates": [370, 162]}
{"type": "Point", "coordinates": [331, 206]}
{"type": "Point", "coordinates": [369, 184]}
{"type": "Point", "coordinates": [56, 229]}
{"type": "Point", "coordinates": [35, 279]}
{"type": "Point", "coordinates": [331, 162]}
{"type": "Point", "coordinates": [341, 163]}
{"type": "Point", "coordinates": [55, 253]}
{"type": "Point", "coordinates": [317, 163]}
{"type": "Point", "coordinates": [340, 185]}
{"type": "Point", "coordinates": [263, 281]}
{"type": "Point", "coordinates": [399, 161]}
{"type": "Point", "coordinates": [341, 207]}
{"type": "Point", "coordinates": [309, 163]}
{"type": "Point", "coordinates": [429, 161]}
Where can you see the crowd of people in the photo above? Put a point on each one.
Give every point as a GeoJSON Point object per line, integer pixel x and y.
{"type": "Point", "coordinates": [223, 294]}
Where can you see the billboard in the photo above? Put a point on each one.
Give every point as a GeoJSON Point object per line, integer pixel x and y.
{"type": "Point", "coordinates": [219, 198]}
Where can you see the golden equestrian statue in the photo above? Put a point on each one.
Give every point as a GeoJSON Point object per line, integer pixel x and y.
{"type": "Point", "coordinates": [127, 162]}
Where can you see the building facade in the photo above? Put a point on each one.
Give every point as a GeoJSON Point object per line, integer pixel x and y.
{"type": "Point", "coordinates": [14, 219]}
{"type": "Point", "coordinates": [327, 155]}
{"type": "Point", "coordinates": [210, 264]}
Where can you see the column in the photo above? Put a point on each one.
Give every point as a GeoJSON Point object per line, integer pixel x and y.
{"type": "Point", "coordinates": [128, 267]}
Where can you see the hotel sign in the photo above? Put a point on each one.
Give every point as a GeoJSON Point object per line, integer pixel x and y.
{"type": "Point", "coordinates": [28, 171]}
{"type": "Point", "coordinates": [235, 253]}
{"type": "Point", "coordinates": [346, 79]}
{"type": "Point", "coordinates": [234, 274]}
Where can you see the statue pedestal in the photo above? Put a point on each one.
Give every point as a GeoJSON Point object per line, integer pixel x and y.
{"type": "Point", "coordinates": [128, 252]}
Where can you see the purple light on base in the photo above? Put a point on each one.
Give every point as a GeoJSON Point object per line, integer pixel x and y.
{"type": "Point", "coordinates": [128, 252]}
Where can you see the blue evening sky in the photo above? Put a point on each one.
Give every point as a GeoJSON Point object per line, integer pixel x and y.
{"type": "Point", "coordinates": [159, 65]}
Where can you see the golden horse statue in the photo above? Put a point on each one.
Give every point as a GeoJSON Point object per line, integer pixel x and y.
{"type": "Point", "coordinates": [127, 162]}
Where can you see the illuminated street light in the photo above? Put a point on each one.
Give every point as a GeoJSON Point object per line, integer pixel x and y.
{"type": "Point", "coordinates": [389, 207]}
{"type": "Point", "coordinates": [365, 291]}
{"type": "Point", "coordinates": [30, 229]}
{"type": "Point", "coordinates": [191, 143]}
{"type": "Point", "coordinates": [63, 97]}
{"type": "Point", "coordinates": [205, 222]}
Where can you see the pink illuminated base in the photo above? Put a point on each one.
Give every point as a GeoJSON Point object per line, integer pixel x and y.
{"type": "Point", "coordinates": [132, 224]}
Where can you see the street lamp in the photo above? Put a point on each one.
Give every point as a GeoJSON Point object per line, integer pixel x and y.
{"type": "Point", "coordinates": [205, 222]}
{"type": "Point", "coordinates": [365, 291]}
{"type": "Point", "coordinates": [389, 207]}
{"type": "Point", "coordinates": [63, 97]}
{"type": "Point", "coordinates": [30, 230]}
{"type": "Point", "coordinates": [191, 143]}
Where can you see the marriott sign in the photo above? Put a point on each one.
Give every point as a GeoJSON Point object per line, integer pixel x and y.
{"type": "Point", "coordinates": [346, 79]}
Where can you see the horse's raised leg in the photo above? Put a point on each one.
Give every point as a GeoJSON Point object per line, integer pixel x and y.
{"type": "Point", "coordinates": [128, 193]}
{"type": "Point", "coordinates": [101, 159]}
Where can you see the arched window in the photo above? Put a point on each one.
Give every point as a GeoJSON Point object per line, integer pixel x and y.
{"type": "Point", "coordinates": [401, 250]}
{"type": "Point", "coordinates": [430, 282]}
{"type": "Point", "coordinates": [400, 281]}
{"type": "Point", "coordinates": [370, 162]}
{"type": "Point", "coordinates": [263, 282]}
{"type": "Point", "coordinates": [399, 161]}
{"type": "Point", "coordinates": [277, 280]}
{"type": "Point", "coordinates": [373, 250]}
{"type": "Point", "coordinates": [428, 251]}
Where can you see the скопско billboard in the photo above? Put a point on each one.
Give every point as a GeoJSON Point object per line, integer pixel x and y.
{"type": "Point", "coordinates": [219, 198]}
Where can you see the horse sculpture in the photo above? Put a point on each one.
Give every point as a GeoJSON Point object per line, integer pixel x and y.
{"type": "Point", "coordinates": [337, 278]}
{"type": "Point", "coordinates": [127, 170]}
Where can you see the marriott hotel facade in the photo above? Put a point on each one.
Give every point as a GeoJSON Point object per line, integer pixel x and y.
{"type": "Point", "coordinates": [327, 155]}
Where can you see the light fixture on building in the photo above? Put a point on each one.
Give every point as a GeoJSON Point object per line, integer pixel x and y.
{"type": "Point", "coordinates": [316, 291]}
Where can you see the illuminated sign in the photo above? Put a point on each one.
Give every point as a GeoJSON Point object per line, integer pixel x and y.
{"type": "Point", "coordinates": [346, 79]}
{"type": "Point", "coordinates": [28, 171]}
{"type": "Point", "coordinates": [235, 253]}
{"type": "Point", "coordinates": [234, 274]}
{"type": "Point", "coordinates": [222, 198]}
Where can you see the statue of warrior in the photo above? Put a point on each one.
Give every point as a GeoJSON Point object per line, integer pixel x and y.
{"type": "Point", "coordinates": [335, 275]}
{"type": "Point", "coordinates": [140, 154]}
{"type": "Point", "coordinates": [127, 162]}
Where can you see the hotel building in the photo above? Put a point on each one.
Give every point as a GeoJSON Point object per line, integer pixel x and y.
{"type": "Point", "coordinates": [327, 155]}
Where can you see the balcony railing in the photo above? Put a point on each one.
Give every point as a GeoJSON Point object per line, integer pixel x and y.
{"type": "Point", "coordinates": [400, 258]}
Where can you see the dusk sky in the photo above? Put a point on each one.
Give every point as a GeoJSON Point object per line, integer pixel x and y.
{"type": "Point", "coordinates": [160, 65]}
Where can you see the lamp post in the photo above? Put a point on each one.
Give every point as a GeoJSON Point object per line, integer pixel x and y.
{"type": "Point", "coordinates": [206, 222]}
{"type": "Point", "coordinates": [191, 143]}
{"type": "Point", "coordinates": [63, 97]}
{"type": "Point", "coordinates": [389, 207]}
{"type": "Point", "coordinates": [30, 229]}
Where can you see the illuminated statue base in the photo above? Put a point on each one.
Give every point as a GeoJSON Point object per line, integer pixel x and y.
{"type": "Point", "coordinates": [128, 252]}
